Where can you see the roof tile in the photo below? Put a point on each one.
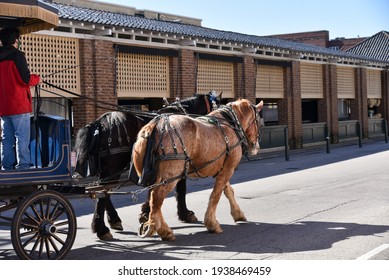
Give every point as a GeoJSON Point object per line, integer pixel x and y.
{"type": "Point", "coordinates": [123, 20]}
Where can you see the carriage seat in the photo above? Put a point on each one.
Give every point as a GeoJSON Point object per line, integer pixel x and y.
{"type": "Point", "coordinates": [45, 142]}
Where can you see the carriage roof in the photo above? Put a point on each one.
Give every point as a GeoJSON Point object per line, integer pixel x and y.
{"type": "Point", "coordinates": [28, 15]}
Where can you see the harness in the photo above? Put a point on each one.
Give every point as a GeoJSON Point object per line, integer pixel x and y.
{"type": "Point", "coordinates": [229, 119]}
{"type": "Point", "coordinates": [123, 147]}
{"type": "Point", "coordinates": [97, 152]}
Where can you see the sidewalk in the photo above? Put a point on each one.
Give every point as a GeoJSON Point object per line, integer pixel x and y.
{"type": "Point", "coordinates": [319, 147]}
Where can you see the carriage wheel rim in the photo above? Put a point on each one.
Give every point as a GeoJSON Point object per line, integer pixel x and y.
{"type": "Point", "coordinates": [44, 226]}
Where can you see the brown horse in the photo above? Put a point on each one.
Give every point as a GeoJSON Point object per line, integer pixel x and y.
{"type": "Point", "coordinates": [195, 148]}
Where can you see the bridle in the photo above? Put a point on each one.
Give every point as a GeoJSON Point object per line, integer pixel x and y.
{"type": "Point", "coordinates": [242, 135]}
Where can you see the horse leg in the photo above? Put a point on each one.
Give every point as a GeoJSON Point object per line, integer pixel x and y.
{"type": "Point", "coordinates": [236, 212]}
{"type": "Point", "coordinates": [156, 222]}
{"type": "Point", "coordinates": [210, 221]}
{"type": "Point", "coordinates": [145, 210]}
{"type": "Point", "coordinates": [113, 217]}
{"type": "Point", "coordinates": [98, 225]}
{"type": "Point", "coordinates": [184, 214]}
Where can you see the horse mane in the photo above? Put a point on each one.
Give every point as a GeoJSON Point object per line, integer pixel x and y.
{"type": "Point", "coordinates": [188, 104]}
{"type": "Point", "coordinates": [113, 119]}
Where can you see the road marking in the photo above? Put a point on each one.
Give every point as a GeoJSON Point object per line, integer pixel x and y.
{"type": "Point", "coordinates": [374, 252]}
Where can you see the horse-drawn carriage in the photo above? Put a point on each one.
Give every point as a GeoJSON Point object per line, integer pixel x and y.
{"type": "Point", "coordinates": [35, 202]}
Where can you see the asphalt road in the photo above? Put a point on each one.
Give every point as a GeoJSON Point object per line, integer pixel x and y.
{"type": "Point", "coordinates": [316, 206]}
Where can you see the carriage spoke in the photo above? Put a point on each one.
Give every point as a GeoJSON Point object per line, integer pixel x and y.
{"type": "Point", "coordinates": [47, 214]}
{"type": "Point", "coordinates": [42, 212]}
{"type": "Point", "coordinates": [41, 245]}
{"type": "Point", "coordinates": [47, 246]}
{"type": "Point", "coordinates": [37, 242]}
{"type": "Point", "coordinates": [37, 215]}
{"type": "Point", "coordinates": [27, 233]}
{"type": "Point", "coordinates": [54, 211]}
{"type": "Point", "coordinates": [63, 223]}
{"type": "Point", "coordinates": [58, 213]}
{"type": "Point", "coordinates": [57, 239]}
{"type": "Point", "coordinates": [28, 241]}
{"type": "Point", "coordinates": [28, 221]}
{"type": "Point", "coordinates": [55, 245]}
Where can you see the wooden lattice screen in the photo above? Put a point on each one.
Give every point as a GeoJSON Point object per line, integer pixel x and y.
{"type": "Point", "coordinates": [141, 75]}
{"type": "Point", "coordinates": [56, 59]}
{"type": "Point", "coordinates": [346, 82]}
{"type": "Point", "coordinates": [269, 81]}
{"type": "Point", "coordinates": [216, 75]}
{"type": "Point", "coordinates": [374, 87]}
{"type": "Point", "coordinates": [311, 80]}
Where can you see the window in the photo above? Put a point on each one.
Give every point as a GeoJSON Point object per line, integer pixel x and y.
{"type": "Point", "coordinates": [344, 109]}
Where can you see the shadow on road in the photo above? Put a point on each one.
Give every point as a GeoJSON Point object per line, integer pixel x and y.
{"type": "Point", "coordinates": [272, 239]}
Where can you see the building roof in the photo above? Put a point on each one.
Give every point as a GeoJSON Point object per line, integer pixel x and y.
{"type": "Point", "coordinates": [377, 47]}
{"type": "Point", "coordinates": [123, 20]}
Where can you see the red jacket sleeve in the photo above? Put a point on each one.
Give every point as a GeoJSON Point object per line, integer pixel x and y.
{"type": "Point", "coordinates": [34, 80]}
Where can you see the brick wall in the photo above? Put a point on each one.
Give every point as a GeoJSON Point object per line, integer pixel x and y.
{"type": "Point", "coordinates": [97, 60]}
{"type": "Point", "coordinates": [289, 108]}
{"type": "Point", "coordinates": [248, 82]}
{"type": "Point", "coordinates": [328, 105]}
{"type": "Point", "coordinates": [188, 68]}
{"type": "Point", "coordinates": [318, 38]}
{"type": "Point", "coordinates": [359, 104]}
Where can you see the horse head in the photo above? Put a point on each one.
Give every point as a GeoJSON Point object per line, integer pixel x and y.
{"type": "Point", "coordinates": [247, 115]}
{"type": "Point", "coordinates": [198, 104]}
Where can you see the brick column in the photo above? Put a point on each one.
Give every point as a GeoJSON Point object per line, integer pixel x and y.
{"type": "Point", "coordinates": [289, 112]}
{"type": "Point", "coordinates": [385, 95]}
{"type": "Point", "coordinates": [248, 79]}
{"type": "Point", "coordinates": [105, 76]}
{"type": "Point", "coordinates": [188, 79]}
{"type": "Point", "coordinates": [328, 106]}
{"type": "Point", "coordinates": [359, 104]}
{"type": "Point", "coordinates": [97, 60]}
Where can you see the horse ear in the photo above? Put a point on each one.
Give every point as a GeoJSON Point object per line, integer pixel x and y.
{"type": "Point", "coordinates": [259, 106]}
{"type": "Point", "coordinates": [165, 102]}
{"type": "Point", "coordinates": [220, 96]}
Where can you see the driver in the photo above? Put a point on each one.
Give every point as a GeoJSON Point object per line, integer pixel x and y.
{"type": "Point", "coordinates": [15, 101]}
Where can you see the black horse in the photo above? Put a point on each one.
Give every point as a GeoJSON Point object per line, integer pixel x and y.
{"type": "Point", "coordinates": [104, 149]}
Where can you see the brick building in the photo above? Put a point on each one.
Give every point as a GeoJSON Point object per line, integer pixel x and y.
{"type": "Point", "coordinates": [322, 39]}
{"type": "Point", "coordinates": [135, 58]}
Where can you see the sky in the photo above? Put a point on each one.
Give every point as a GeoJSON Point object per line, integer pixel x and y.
{"type": "Point", "coordinates": [342, 18]}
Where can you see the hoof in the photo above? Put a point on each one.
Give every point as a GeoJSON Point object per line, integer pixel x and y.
{"type": "Point", "coordinates": [219, 230]}
{"type": "Point", "coordinates": [145, 230]}
{"type": "Point", "coordinates": [215, 229]}
{"type": "Point", "coordinates": [116, 226]}
{"type": "Point", "coordinates": [106, 237]}
{"type": "Point", "coordinates": [241, 219]}
{"type": "Point", "coordinates": [191, 217]}
{"type": "Point", "coordinates": [170, 237]}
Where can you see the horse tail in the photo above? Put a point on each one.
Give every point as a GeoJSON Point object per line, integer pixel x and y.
{"type": "Point", "coordinates": [143, 154]}
{"type": "Point", "coordinates": [83, 140]}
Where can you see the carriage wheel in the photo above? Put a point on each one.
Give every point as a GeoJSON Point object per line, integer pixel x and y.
{"type": "Point", "coordinates": [44, 227]}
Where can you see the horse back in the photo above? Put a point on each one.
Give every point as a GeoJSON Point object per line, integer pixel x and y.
{"type": "Point", "coordinates": [178, 140]}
